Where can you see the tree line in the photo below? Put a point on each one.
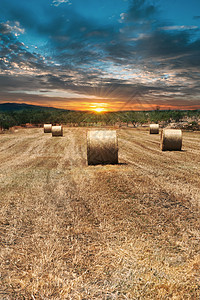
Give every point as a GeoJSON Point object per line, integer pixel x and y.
{"type": "Point", "coordinates": [38, 117]}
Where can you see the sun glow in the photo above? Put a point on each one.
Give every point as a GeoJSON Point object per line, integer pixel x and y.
{"type": "Point", "coordinates": [99, 107]}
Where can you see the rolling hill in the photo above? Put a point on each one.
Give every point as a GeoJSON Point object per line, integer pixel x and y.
{"type": "Point", "coordinates": [4, 107]}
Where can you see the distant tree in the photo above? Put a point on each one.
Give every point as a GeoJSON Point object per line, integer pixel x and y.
{"type": "Point", "coordinates": [6, 121]}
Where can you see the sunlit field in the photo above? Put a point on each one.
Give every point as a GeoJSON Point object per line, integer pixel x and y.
{"type": "Point", "coordinates": [72, 231]}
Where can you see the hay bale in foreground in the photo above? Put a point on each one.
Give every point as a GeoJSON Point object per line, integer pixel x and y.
{"type": "Point", "coordinates": [47, 128]}
{"type": "Point", "coordinates": [57, 130]}
{"type": "Point", "coordinates": [171, 139]}
{"type": "Point", "coordinates": [154, 128]}
{"type": "Point", "coordinates": [102, 147]}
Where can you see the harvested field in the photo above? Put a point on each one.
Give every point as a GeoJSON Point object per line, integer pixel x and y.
{"type": "Point", "coordinates": [72, 231]}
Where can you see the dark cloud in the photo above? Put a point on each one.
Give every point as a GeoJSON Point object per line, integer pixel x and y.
{"type": "Point", "coordinates": [28, 13]}
{"type": "Point", "coordinates": [80, 53]}
{"type": "Point", "coordinates": [70, 38]}
{"type": "Point", "coordinates": [141, 11]}
{"type": "Point", "coordinates": [164, 44]}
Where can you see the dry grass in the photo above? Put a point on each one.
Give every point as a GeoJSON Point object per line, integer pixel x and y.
{"type": "Point", "coordinates": [128, 231]}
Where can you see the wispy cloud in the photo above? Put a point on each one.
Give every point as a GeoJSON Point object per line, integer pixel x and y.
{"type": "Point", "coordinates": [58, 2]}
{"type": "Point", "coordinates": [182, 27]}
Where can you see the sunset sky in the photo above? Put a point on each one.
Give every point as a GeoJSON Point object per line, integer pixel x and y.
{"type": "Point", "coordinates": [101, 55]}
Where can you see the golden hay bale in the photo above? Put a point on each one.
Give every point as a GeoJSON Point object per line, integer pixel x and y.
{"type": "Point", "coordinates": [47, 128]}
{"type": "Point", "coordinates": [154, 128]}
{"type": "Point", "coordinates": [171, 139]}
{"type": "Point", "coordinates": [102, 147]}
{"type": "Point", "coordinates": [57, 130]}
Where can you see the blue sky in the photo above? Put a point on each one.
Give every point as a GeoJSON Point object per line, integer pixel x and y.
{"type": "Point", "coordinates": [109, 54]}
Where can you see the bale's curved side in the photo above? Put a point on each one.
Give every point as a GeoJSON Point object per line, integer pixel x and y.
{"type": "Point", "coordinates": [47, 128]}
{"type": "Point", "coordinates": [154, 128]}
{"type": "Point", "coordinates": [102, 147]}
{"type": "Point", "coordinates": [171, 139]}
{"type": "Point", "coordinates": [57, 130]}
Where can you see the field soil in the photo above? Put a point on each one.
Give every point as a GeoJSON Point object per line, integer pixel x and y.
{"type": "Point", "coordinates": [72, 231]}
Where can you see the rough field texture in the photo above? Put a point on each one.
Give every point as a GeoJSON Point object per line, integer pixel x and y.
{"type": "Point", "coordinates": [72, 231]}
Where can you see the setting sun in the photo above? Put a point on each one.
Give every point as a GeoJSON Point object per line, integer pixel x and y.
{"type": "Point", "coordinates": [99, 107]}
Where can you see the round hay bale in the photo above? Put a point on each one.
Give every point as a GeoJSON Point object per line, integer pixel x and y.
{"type": "Point", "coordinates": [171, 139]}
{"type": "Point", "coordinates": [102, 147]}
{"type": "Point", "coordinates": [57, 130]}
{"type": "Point", "coordinates": [47, 128]}
{"type": "Point", "coordinates": [154, 128]}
